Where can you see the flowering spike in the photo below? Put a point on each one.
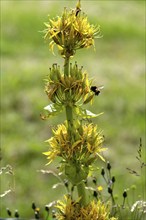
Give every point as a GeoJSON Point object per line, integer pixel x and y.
{"type": "Point", "coordinates": [68, 37]}
{"type": "Point", "coordinates": [78, 143]}
{"type": "Point", "coordinates": [70, 209]}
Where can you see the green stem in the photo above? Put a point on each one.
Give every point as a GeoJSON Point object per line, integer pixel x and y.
{"type": "Point", "coordinates": [69, 117]}
{"type": "Point", "coordinates": [66, 66]}
{"type": "Point", "coordinates": [82, 193]}
{"type": "Point", "coordinates": [69, 112]}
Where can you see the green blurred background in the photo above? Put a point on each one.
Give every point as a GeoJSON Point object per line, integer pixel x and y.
{"type": "Point", "coordinates": [117, 63]}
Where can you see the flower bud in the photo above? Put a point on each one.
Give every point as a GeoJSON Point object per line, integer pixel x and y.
{"type": "Point", "coordinates": [110, 191]}
{"type": "Point", "coordinates": [125, 194]}
{"type": "Point", "coordinates": [16, 214]}
{"type": "Point", "coordinates": [113, 179]}
{"type": "Point", "coordinates": [9, 212]}
{"type": "Point", "coordinates": [33, 206]}
{"type": "Point", "coordinates": [53, 214]}
{"type": "Point", "coordinates": [37, 215]}
{"type": "Point", "coordinates": [102, 171]}
{"type": "Point", "coordinates": [95, 194]}
{"type": "Point", "coordinates": [66, 183]}
{"type": "Point", "coordinates": [108, 165]}
{"type": "Point", "coordinates": [94, 180]}
{"type": "Point", "coordinates": [72, 188]}
{"type": "Point", "coordinates": [47, 208]}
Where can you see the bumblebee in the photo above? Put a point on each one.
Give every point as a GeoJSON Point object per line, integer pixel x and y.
{"type": "Point", "coordinates": [96, 89]}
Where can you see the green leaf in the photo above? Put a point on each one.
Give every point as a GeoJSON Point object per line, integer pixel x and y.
{"type": "Point", "coordinates": [53, 109]}
{"type": "Point", "coordinates": [84, 113]}
{"type": "Point", "coordinates": [76, 143]}
{"type": "Point", "coordinates": [100, 156]}
{"type": "Point", "coordinates": [87, 100]}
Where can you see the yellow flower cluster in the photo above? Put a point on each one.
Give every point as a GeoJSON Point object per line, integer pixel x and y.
{"type": "Point", "coordinates": [71, 210]}
{"type": "Point", "coordinates": [85, 148]}
{"type": "Point", "coordinates": [68, 90]}
{"type": "Point", "coordinates": [70, 32]}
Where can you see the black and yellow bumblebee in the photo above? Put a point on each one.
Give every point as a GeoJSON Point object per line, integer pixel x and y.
{"type": "Point", "coordinates": [96, 89]}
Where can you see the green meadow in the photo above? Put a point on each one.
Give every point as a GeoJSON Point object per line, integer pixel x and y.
{"type": "Point", "coordinates": [118, 63]}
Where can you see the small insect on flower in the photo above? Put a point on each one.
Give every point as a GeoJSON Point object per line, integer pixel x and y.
{"type": "Point", "coordinates": [96, 89]}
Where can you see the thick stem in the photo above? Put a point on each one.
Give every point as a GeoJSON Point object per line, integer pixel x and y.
{"type": "Point", "coordinates": [69, 117]}
{"type": "Point", "coordinates": [69, 112]}
{"type": "Point", "coordinates": [82, 193]}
